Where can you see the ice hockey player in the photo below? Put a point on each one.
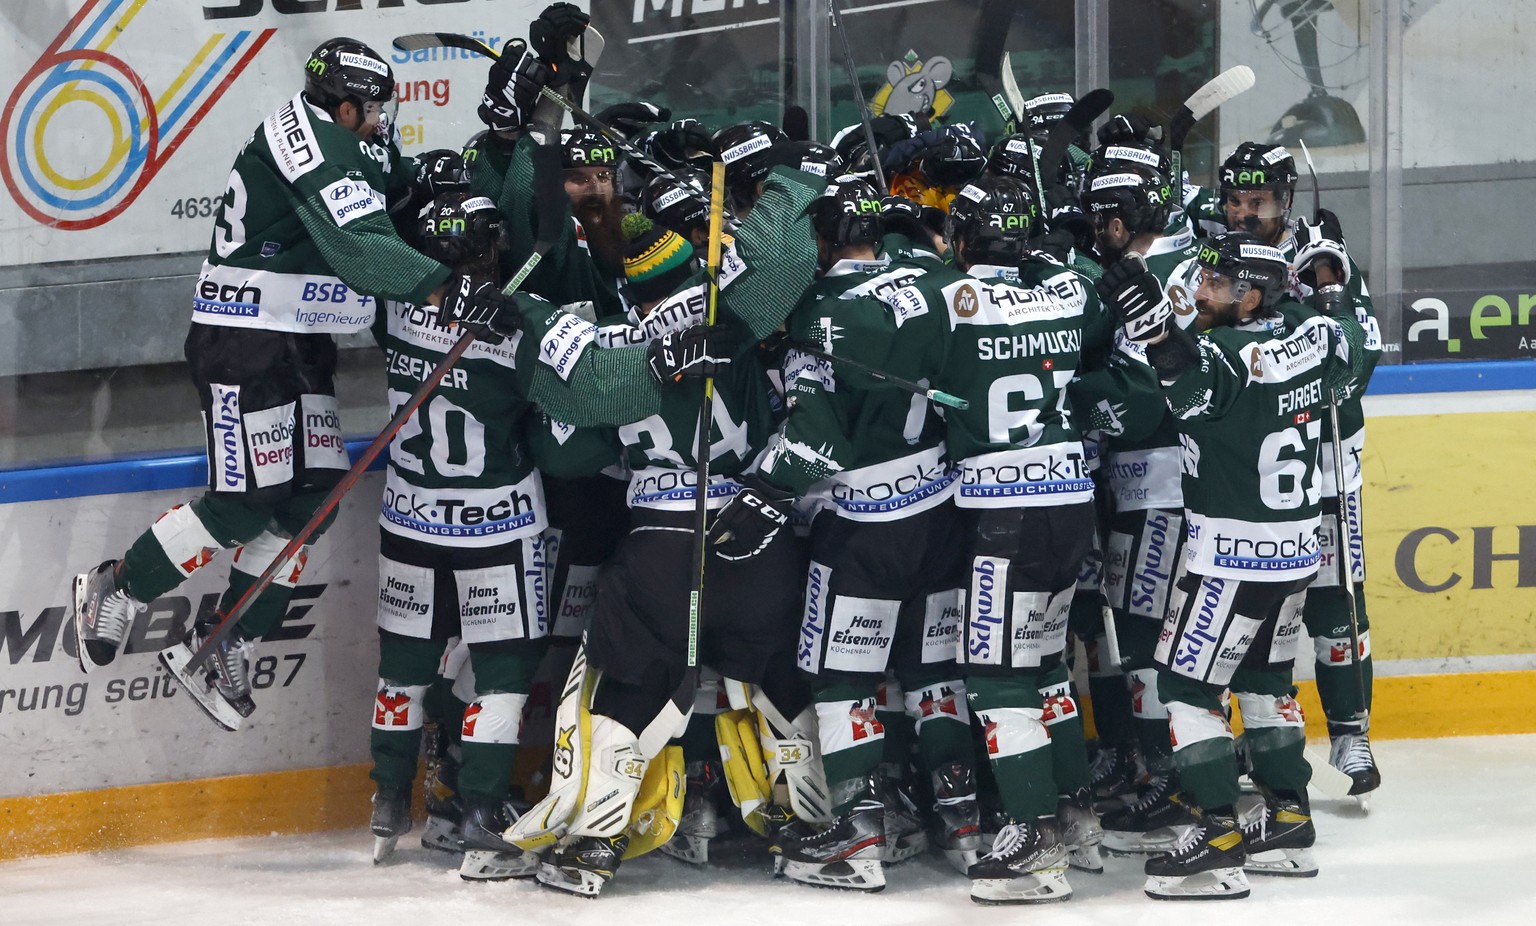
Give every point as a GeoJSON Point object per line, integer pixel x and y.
{"type": "Point", "coordinates": [1248, 396]}
{"type": "Point", "coordinates": [867, 462]}
{"type": "Point", "coordinates": [1128, 198]}
{"type": "Point", "coordinates": [302, 249]}
{"type": "Point", "coordinates": [1256, 193]}
{"type": "Point", "coordinates": [1026, 498]}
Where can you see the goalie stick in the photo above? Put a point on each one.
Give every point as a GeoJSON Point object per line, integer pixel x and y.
{"type": "Point", "coordinates": [548, 197]}
{"type": "Point", "coordinates": [1079, 119]}
{"type": "Point", "coordinates": [858, 97]}
{"type": "Point", "coordinates": [1233, 81]}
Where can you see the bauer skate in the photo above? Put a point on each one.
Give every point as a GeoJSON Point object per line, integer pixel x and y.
{"type": "Point", "coordinates": [1080, 831]}
{"type": "Point", "coordinates": [1279, 835]}
{"type": "Point", "coordinates": [391, 819]}
{"type": "Point", "coordinates": [582, 865]}
{"type": "Point", "coordinates": [1114, 774]}
{"type": "Point", "coordinates": [222, 685]}
{"type": "Point", "coordinates": [1154, 823]}
{"type": "Point", "coordinates": [1027, 864]}
{"type": "Point", "coordinates": [845, 853]}
{"type": "Point", "coordinates": [488, 856]}
{"type": "Point", "coordinates": [103, 613]}
{"type": "Point", "coordinates": [905, 836]}
{"type": "Point", "coordinates": [1207, 864]}
{"type": "Point", "coordinates": [956, 828]}
{"type": "Point", "coordinates": [445, 812]}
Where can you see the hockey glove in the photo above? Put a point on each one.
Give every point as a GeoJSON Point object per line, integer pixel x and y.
{"type": "Point", "coordinates": [749, 521]}
{"type": "Point", "coordinates": [512, 88]}
{"type": "Point", "coordinates": [1064, 213]}
{"type": "Point", "coordinates": [439, 171]}
{"type": "Point", "coordinates": [1320, 240]}
{"type": "Point", "coordinates": [1332, 300]}
{"type": "Point", "coordinates": [479, 305]}
{"type": "Point", "coordinates": [680, 142]}
{"type": "Point", "coordinates": [630, 119]}
{"type": "Point", "coordinates": [551, 35]}
{"type": "Point", "coordinates": [1137, 296]}
{"type": "Point", "coordinates": [698, 350]}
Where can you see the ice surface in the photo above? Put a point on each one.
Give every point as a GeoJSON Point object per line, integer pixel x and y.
{"type": "Point", "coordinates": [1449, 839]}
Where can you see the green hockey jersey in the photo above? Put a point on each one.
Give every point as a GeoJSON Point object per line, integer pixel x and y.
{"type": "Point", "coordinates": [302, 240]}
{"type": "Point", "coordinates": [1249, 415]}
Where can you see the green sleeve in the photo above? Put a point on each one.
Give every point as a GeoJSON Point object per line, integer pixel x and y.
{"type": "Point", "coordinates": [563, 370]}
{"type": "Point", "coordinates": [1122, 398]}
{"type": "Point", "coordinates": [778, 247]}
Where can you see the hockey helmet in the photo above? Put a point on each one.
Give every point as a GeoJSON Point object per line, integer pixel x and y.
{"type": "Point", "coordinates": [1141, 197]}
{"type": "Point", "coordinates": [459, 227]}
{"type": "Point", "coordinates": [744, 149]}
{"type": "Point", "coordinates": [848, 212]}
{"type": "Point", "coordinates": [955, 161]}
{"type": "Point", "coordinates": [680, 203]}
{"type": "Point", "coordinates": [1014, 156]}
{"type": "Point", "coordinates": [1046, 110]}
{"type": "Point", "coordinates": [1248, 262]}
{"type": "Point", "coordinates": [344, 69]}
{"type": "Point", "coordinates": [1259, 166]}
{"type": "Point", "coordinates": [994, 218]}
{"type": "Point", "coordinates": [586, 148]}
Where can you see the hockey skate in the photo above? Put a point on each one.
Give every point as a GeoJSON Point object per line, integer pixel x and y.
{"type": "Point", "coordinates": [1207, 864]}
{"type": "Point", "coordinates": [956, 828]}
{"type": "Point", "coordinates": [1027, 864]}
{"type": "Point", "coordinates": [1155, 823]}
{"type": "Point", "coordinates": [1080, 831]}
{"type": "Point", "coordinates": [701, 819]}
{"type": "Point", "coordinates": [1279, 835]}
{"type": "Point", "coordinates": [905, 836]}
{"type": "Point", "coordinates": [487, 855]}
{"type": "Point", "coordinates": [445, 813]}
{"type": "Point", "coordinates": [103, 613]}
{"type": "Point", "coordinates": [845, 853]}
{"type": "Point", "coordinates": [583, 864]}
{"type": "Point", "coordinates": [1351, 754]}
{"type": "Point", "coordinates": [221, 686]}
{"type": "Point", "coordinates": [391, 819]}
{"type": "Point", "coordinates": [1114, 774]}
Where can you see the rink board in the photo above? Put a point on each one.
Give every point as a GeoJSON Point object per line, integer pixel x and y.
{"type": "Point", "coordinates": [119, 758]}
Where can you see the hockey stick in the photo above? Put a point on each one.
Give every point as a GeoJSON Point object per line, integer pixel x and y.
{"type": "Point", "coordinates": [936, 396]}
{"type": "Point", "coordinates": [1346, 552]}
{"type": "Point", "coordinates": [1214, 92]}
{"type": "Point", "coordinates": [858, 96]}
{"type": "Point", "coordinates": [1078, 120]}
{"type": "Point", "coordinates": [419, 40]}
{"type": "Point", "coordinates": [703, 444]}
{"type": "Point", "coordinates": [1011, 92]}
{"type": "Point", "coordinates": [549, 197]}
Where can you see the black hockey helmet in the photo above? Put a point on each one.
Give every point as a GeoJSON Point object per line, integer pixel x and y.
{"type": "Point", "coordinates": [1141, 197]}
{"type": "Point", "coordinates": [586, 148]}
{"type": "Point", "coordinates": [344, 69]}
{"type": "Point", "coordinates": [994, 218]}
{"type": "Point", "coordinates": [848, 212]}
{"type": "Point", "coordinates": [809, 156]}
{"type": "Point", "coordinates": [957, 160]}
{"type": "Point", "coordinates": [1248, 262]}
{"type": "Point", "coordinates": [1259, 166]}
{"type": "Point", "coordinates": [906, 217]}
{"type": "Point", "coordinates": [460, 226]}
{"type": "Point", "coordinates": [1132, 156]}
{"type": "Point", "coordinates": [744, 149]}
{"type": "Point", "coordinates": [681, 206]}
{"type": "Point", "coordinates": [1014, 156]}
{"type": "Point", "coordinates": [1046, 110]}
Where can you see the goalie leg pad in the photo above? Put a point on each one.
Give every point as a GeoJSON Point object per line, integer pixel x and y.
{"type": "Point", "coordinates": [547, 821]}
{"type": "Point", "coordinates": [659, 805]}
{"type": "Point", "coordinates": [746, 772]}
{"type": "Point", "coordinates": [615, 769]}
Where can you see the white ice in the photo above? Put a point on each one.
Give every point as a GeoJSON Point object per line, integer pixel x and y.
{"type": "Point", "coordinates": [1448, 839]}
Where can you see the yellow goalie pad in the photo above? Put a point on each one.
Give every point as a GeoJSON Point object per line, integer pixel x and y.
{"type": "Point", "coordinates": [659, 805]}
{"type": "Point", "coordinates": [746, 774]}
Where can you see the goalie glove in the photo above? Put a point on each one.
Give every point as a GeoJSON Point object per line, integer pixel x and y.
{"type": "Point", "coordinates": [1137, 297]}
{"type": "Point", "coordinates": [749, 521]}
{"type": "Point", "coordinates": [1322, 239]}
{"type": "Point", "coordinates": [479, 305]}
{"type": "Point", "coordinates": [698, 350]}
{"type": "Point", "coordinates": [512, 88]}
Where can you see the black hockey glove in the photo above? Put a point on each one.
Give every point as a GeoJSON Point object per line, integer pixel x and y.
{"type": "Point", "coordinates": [1130, 128]}
{"type": "Point", "coordinates": [512, 88]}
{"type": "Point", "coordinates": [1321, 240]}
{"type": "Point", "coordinates": [630, 119]}
{"type": "Point", "coordinates": [749, 521]}
{"type": "Point", "coordinates": [1332, 300]}
{"type": "Point", "coordinates": [439, 171]}
{"type": "Point", "coordinates": [1137, 296]}
{"type": "Point", "coordinates": [697, 350]}
{"type": "Point", "coordinates": [478, 304]}
{"type": "Point", "coordinates": [680, 142]}
{"type": "Point", "coordinates": [551, 35]}
{"type": "Point", "coordinates": [1063, 213]}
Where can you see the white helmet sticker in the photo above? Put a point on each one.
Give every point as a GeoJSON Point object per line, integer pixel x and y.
{"type": "Point", "coordinates": [1137, 155]}
{"type": "Point", "coordinates": [351, 60]}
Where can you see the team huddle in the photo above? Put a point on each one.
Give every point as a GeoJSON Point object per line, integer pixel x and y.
{"type": "Point", "coordinates": [957, 407]}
